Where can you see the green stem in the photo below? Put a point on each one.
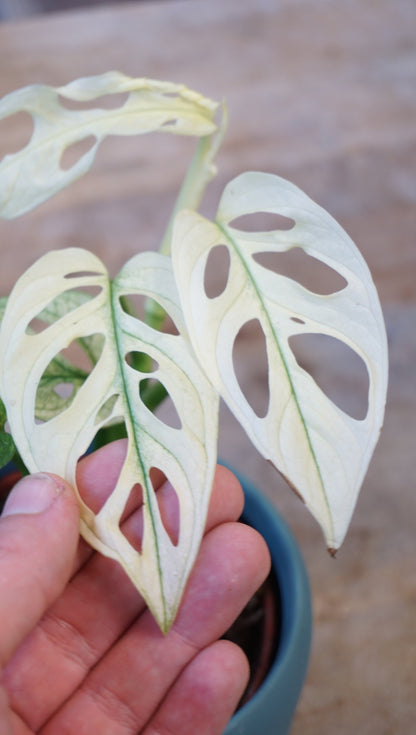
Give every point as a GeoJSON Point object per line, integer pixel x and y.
{"type": "Point", "coordinates": [201, 171]}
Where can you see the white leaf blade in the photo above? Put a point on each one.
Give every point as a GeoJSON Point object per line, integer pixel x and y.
{"type": "Point", "coordinates": [187, 456]}
{"type": "Point", "coordinates": [32, 175]}
{"type": "Point", "coordinates": [322, 452]}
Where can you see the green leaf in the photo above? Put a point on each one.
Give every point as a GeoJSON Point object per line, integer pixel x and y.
{"type": "Point", "coordinates": [3, 304]}
{"type": "Point", "coordinates": [321, 450]}
{"type": "Point", "coordinates": [7, 448]}
{"type": "Point", "coordinates": [32, 175]}
{"type": "Point", "coordinates": [186, 455]}
{"type": "Point", "coordinates": [62, 379]}
{"type": "Point", "coordinates": [61, 372]}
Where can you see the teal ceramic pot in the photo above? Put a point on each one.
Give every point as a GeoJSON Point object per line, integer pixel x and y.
{"type": "Point", "coordinates": [270, 711]}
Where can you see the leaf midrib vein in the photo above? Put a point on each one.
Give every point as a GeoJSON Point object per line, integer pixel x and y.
{"type": "Point", "coordinates": [230, 239]}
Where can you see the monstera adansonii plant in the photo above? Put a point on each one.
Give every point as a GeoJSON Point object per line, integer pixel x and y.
{"type": "Point", "coordinates": [52, 410]}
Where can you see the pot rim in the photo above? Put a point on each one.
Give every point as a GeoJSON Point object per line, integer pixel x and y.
{"type": "Point", "coordinates": [274, 704]}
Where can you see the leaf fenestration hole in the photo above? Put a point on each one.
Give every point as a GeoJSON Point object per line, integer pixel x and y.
{"type": "Point", "coordinates": [63, 304]}
{"type": "Point", "coordinates": [131, 522]}
{"type": "Point", "coordinates": [95, 494]}
{"type": "Point", "coordinates": [82, 274]}
{"type": "Point", "coordinates": [139, 305]}
{"type": "Point", "coordinates": [151, 390]}
{"type": "Point", "coordinates": [262, 222]}
{"type": "Point", "coordinates": [337, 369]}
{"type": "Point", "coordinates": [79, 354]}
{"type": "Point", "coordinates": [141, 361]}
{"type": "Point", "coordinates": [15, 133]}
{"type": "Point", "coordinates": [104, 102]}
{"type": "Point", "coordinates": [64, 389]}
{"type": "Point", "coordinates": [75, 151]}
{"type": "Point", "coordinates": [217, 270]}
{"type": "Point", "coordinates": [252, 374]}
{"type": "Point", "coordinates": [106, 409]}
{"type": "Point", "coordinates": [168, 503]}
{"type": "Point", "coordinates": [310, 272]}
{"type": "Point", "coordinates": [62, 378]}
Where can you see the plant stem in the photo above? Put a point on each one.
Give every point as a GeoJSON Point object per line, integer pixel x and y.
{"type": "Point", "coordinates": [201, 171]}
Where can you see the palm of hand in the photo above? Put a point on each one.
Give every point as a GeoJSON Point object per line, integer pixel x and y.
{"type": "Point", "coordinates": [97, 662]}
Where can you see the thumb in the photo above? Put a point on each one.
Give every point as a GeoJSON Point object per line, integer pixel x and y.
{"type": "Point", "coordinates": [39, 531]}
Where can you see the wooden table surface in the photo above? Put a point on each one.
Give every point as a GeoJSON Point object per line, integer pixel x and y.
{"type": "Point", "coordinates": [322, 92]}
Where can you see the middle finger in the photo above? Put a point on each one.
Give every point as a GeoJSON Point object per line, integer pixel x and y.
{"type": "Point", "coordinates": [98, 605]}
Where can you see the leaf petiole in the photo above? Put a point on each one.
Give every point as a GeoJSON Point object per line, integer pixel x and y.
{"type": "Point", "coordinates": [201, 171]}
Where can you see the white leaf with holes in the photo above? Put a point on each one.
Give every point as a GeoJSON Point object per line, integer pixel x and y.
{"type": "Point", "coordinates": [321, 450]}
{"type": "Point", "coordinates": [32, 175]}
{"type": "Point", "coordinates": [186, 455]}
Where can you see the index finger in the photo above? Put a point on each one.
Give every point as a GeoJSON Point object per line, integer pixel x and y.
{"type": "Point", "coordinates": [98, 473]}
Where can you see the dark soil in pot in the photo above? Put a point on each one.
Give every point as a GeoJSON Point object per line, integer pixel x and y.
{"type": "Point", "coordinates": [6, 483]}
{"type": "Point", "coordinates": [257, 632]}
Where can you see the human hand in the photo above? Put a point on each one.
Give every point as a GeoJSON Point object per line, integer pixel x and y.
{"type": "Point", "coordinates": [81, 653]}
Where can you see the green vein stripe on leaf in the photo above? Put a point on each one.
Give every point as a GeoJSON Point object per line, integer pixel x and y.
{"type": "Point", "coordinates": [186, 456]}
{"type": "Point", "coordinates": [322, 451]}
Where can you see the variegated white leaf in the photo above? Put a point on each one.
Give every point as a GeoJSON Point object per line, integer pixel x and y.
{"type": "Point", "coordinates": [32, 175]}
{"type": "Point", "coordinates": [186, 455]}
{"type": "Point", "coordinates": [62, 379]}
{"type": "Point", "coordinates": [321, 450]}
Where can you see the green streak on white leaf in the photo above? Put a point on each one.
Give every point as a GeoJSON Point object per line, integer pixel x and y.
{"type": "Point", "coordinates": [234, 243]}
{"type": "Point", "coordinates": [322, 451]}
{"type": "Point", "coordinates": [187, 456]}
{"type": "Point", "coordinates": [7, 448]}
{"type": "Point", "coordinates": [50, 401]}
